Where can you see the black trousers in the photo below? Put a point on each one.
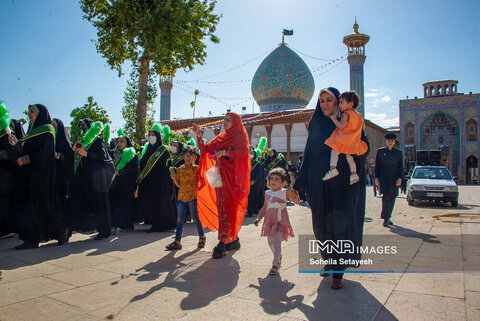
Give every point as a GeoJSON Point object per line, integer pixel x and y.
{"type": "Point", "coordinates": [388, 201]}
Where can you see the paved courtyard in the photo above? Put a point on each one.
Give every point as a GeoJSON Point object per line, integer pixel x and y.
{"type": "Point", "coordinates": [131, 277]}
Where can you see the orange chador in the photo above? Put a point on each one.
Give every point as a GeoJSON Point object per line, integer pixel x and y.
{"type": "Point", "coordinates": [223, 208]}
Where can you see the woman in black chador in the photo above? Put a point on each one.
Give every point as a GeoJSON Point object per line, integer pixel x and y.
{"type": "Point", "coordinates": [8, 173]}
{"type": "Point", "coordinates": [154, 202]}
{"type": "Point", "coordinates": [88, 205]}
{"type": "Point", "coordinates": [256, 196]}
{"type": "Point", "coordinates": [338, 208]}
{"type": "Point", "coordinates": [64, 163]}
{"type": "Point", "coordinates": [35, 212]}
{"type": "Point", "coordinates": [124, 183]}
{"type": "Point", "coordinates": [273, 160]}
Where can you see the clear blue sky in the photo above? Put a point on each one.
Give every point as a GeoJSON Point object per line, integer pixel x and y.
{"type": "Point", "coordinates": [47, 55]}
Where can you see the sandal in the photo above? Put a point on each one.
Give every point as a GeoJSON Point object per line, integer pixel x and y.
{"type": "Point", "coordinates": [201, 242]}
{"type": "Point", "coordinates": [274, 270]}
{"type": "Point", "coordinates": [175, 245]}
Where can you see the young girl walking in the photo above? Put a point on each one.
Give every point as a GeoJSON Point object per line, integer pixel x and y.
{"type": "Point", "coordinates": [276, 226]}
{"type": "Point", "coordinates": [346, 138]}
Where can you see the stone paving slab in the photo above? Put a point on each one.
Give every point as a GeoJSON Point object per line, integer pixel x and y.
{"type": "Point", "coordinates": [130, 276]}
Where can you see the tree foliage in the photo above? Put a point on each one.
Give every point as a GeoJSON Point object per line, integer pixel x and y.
{"type": "Point", "coordinates": [167, 33]}
{"type": "Point", "coordinates": [89, 110]}
{"type": "Point", "coordinates": [130, 96]}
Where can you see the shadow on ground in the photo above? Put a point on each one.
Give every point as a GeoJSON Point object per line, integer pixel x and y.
{"type": "Point", "coordinates": [352, 302]}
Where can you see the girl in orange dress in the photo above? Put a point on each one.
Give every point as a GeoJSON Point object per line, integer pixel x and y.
{"type": "Point", "coordinates": [346, 138]}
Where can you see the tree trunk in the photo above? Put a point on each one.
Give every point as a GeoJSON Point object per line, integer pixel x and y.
{"type": "Point", "coordinates": [142, 100]}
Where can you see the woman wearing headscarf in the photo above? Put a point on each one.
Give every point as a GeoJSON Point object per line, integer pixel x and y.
{"type": "Point", "coordinates": [338, 208]}
{"type": "Point", "coordinates": [224, 208]}
{"type": "Point", "coordinates": [36, 216]}
{"type": "Point", "coordinates": [154, 202]}
{"type": "Point", "coordinates": [124, 182]}
{"type": "Point", "coordinates": [176, 160]}
{"type": "Point", "coordinates": [88, 205]}
{"type": "Point", "coordinates": [8, 172]}
{"type": "Point", "coordinates": [257, 184]}
{"type": "Point", "coordinates": [273, 160]}
{"type": "Point", "coordinates": [64, 163]}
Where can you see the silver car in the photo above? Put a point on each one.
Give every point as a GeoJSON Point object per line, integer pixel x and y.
{"type": "Point", "coordinates": [433, 184]}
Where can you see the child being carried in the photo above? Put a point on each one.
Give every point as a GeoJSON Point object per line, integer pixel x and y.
{"type": "Point", "coordinates": [346, 138]}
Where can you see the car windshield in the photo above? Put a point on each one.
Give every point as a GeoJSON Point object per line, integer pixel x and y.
{"type": "Point", "coordinates": [432, 173]}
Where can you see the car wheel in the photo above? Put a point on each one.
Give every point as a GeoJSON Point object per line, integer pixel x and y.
{"type": "Point", "coordinates": [454, 203]}
{"type": "Point", "coordinates": [410, 202]}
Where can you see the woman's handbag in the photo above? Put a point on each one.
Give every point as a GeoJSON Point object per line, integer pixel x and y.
{"type": "Point", "coordinates": [213, 177]}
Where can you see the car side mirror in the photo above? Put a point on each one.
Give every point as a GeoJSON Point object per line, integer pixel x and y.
{"type": "Point", "coordinates": [455, 178]}
{"type": "Point", "coordinates": [407, 177]}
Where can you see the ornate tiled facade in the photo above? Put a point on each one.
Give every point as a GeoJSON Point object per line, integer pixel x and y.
{"type": "Point", "coordinates": [282, 81]}
{"type": "Point", "coordinates": [450, 119]}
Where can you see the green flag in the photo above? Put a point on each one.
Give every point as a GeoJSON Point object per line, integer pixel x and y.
{"type": "Point", "coordinates": [287, 32]}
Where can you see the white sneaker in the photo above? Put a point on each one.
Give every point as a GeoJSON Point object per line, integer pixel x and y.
{"type": "Point", "coordinates": [354, 179]}
{"type": "Point", "coordinates": [330, 174]}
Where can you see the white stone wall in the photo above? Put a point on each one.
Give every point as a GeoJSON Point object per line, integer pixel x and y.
{"type": "Point", "coordinates": [279, 138]}
{"type": "Point", "coordinates": [298, 137]}
{"type": "Point", "coordinates": [257, 133]}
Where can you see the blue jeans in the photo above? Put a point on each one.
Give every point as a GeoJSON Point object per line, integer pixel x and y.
{"type": "Point", "coordinates": [182, 213]}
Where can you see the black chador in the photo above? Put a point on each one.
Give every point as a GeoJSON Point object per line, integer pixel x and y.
{"type": "Point", "coordinates": [88, 205]}
{"type": "Point", "coordinates": [154, 202]}
{"type": "Point", "coordinates": [388, 169]}
{"type": "Point", "coordinates": [124, 184]}
{"type": "Point", "coordinates": [64, 163]}
{"type": "Point", "coordinates": [35, 212]}
{"type": "Point", "coordinates": [276, 160]}
{"type": "Point", "coordinates": [8, 173]}
{"type": "Point", "coordinates": [338, 208]}
{"type": "Point", "coordinates": [256, 196]}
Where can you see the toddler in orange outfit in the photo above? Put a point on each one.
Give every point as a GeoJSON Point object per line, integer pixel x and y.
{"type": "Point", "coordinates": [346, 138]}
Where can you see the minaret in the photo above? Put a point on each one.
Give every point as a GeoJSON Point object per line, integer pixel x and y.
{"type": "Point", "coordinates": [165, 97]}
{"type": "Point", "coordinates": [356, 58]}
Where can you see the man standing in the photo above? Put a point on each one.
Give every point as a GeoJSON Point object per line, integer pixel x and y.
{"type": "Point", "coordinates": [388, 175]}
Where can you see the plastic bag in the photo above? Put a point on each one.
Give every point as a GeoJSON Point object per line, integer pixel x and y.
{"type": "Point", "coordinates": [213, 177]}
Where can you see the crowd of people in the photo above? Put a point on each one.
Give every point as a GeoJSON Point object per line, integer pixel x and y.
{"type": "Point", "coordinates": [52, 187]}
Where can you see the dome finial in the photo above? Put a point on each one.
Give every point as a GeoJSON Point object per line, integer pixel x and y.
{"type": "Point", "coordinates": [355, 26]}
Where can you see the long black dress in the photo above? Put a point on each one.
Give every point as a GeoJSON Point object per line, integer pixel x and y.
{"type": "Point", "coordinates": [338, 208]}
{"type": "Point", "coordinates": [88, 205]}
{"type": "Point", "coordinates": [8, 171]}
{"type": "Point", "coordinates": [256, 196]}
{"type": "Point", "coordinates": [35, 212]}
{"type": "Point", "coordinates": [154, 203]}
{"type": "Point", "coordinates": [121, 192]}
{"type": "Point", "coordinates": [64, 163]}
{"type": "Point", "coordinates": [388, 169]}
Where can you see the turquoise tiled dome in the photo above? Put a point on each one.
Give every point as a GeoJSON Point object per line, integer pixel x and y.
{"type": "Point", "coordinates": [282, 81]}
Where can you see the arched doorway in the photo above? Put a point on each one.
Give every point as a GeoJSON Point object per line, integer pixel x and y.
{"type": "Point", "coordinates": [441, 129]}
{"type": "Point", "coordinates": [472, 168]}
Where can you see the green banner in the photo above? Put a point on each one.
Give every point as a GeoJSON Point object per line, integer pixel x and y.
{"type": "Point", "coordinates": [273, 164]}
{"type": "Point", "coordinates": [151, 162]}
{"type": "Point", "coordinates": [287, 32]}
{"type": "Point", "coordinates": [42, 129]}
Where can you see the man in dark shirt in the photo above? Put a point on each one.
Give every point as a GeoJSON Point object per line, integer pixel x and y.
{"type": "Point", "coordinates": [388, 175]}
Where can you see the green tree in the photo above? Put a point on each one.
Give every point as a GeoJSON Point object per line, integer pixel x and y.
{"type": "Point", "coordinates": [169, 34]}
{"type": "Point", "coordinates": [130, 96]}
{"type": "Point", "coordinates": [89, 110]}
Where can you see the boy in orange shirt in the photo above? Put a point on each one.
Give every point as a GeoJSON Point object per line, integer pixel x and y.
{"type": "Point", "coordinates": [185, 179]}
